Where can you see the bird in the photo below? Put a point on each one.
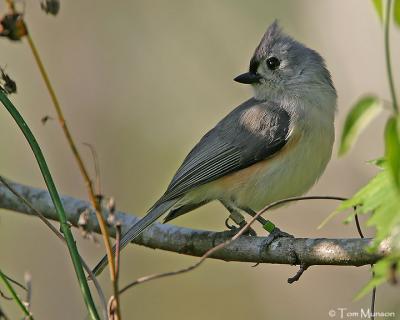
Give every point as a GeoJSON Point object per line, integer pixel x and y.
{"type": "Point", "coordinates": [273, 146]}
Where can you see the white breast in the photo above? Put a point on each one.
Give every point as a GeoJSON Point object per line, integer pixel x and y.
{"type": "Point", "coordinates": [295, 169]}
{"type": "Point", "coordinates": [291, 174]}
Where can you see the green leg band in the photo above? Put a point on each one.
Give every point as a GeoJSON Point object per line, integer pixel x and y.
{"type": "Point", "coordinates": [269, 226]}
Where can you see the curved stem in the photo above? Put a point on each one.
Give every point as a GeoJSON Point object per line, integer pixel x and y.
{"type": "Point", "coordinates": [89, 186]}
{"type": "Point", "coordinates": [73, 250]}
{"type": "Point", "coordinates": [387, 55]}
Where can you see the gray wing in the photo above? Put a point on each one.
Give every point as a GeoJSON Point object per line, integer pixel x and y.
{"type": "Point", "coordinates": [252, 132]}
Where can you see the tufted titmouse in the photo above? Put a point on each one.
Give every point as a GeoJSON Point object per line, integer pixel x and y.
{"type": "Point", "coordinates": [273, 146]}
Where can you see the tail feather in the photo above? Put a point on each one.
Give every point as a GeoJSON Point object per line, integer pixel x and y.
{"type": "Point", "coordinates": [135, 230]}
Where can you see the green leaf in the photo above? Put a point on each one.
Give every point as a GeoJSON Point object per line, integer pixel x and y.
{"type": "Point", "coordinates": [378, 8]}
{"type": "Point", "coordinates": [362, 113]}
{"type": "Point", "coordinates": [396, 12]}
{"type": "Point", "coordinates": [380, 197]}
{"type": "Point", "coordinates": [365, 200]}
{"type": "Point", "coordinates": [392, 149]}
{"type": "Point", "coordinates": [379, 162]}
{"type": "Point", "coordinates": [368, 198]}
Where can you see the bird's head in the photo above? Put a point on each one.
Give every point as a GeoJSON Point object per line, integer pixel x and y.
{"type": "Point", "coordinates": [282, 65]}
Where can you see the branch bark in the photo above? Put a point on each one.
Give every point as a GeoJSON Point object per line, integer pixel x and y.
{"type": "Point", "coordinates": [306, 251]}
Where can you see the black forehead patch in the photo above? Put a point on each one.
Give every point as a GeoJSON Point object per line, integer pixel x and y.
{"type": "Point", "coordinates": [254, 63]}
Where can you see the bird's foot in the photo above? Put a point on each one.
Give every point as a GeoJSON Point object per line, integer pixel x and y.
{"type": "Point", "coordinates": [235, 229]}
{"type": "Point", "coordinates": [275, 234]}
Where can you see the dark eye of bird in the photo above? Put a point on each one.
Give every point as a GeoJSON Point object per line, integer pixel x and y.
{"type": "Point", "coordinates": [273, 63]}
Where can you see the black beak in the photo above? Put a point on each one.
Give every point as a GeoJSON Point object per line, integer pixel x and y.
{"type": "Point", "coordinates": [248, 78]}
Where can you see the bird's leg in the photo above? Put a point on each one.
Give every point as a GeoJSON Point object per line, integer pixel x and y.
{"type": "Point", "coordinates": [274, 231]}
{"type": "Point", "coordinates": [264, 222]}
{"type": "Point", "coordinates": [238, 218]}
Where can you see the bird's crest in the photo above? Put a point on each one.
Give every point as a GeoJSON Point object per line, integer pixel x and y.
{"type": "Point", "coordinates": [273, 34]}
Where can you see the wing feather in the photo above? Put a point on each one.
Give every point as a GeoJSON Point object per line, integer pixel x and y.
{"type": "Point", "coordinates": [252, 132]}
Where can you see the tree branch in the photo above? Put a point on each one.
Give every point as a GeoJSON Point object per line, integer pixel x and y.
{"type": "Point", "coordinates": [306, 251]}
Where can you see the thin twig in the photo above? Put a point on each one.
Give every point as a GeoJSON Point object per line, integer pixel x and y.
{"type": "Point", "coordinates": [28, 282]}
{"type": "Point", "coordinates": [299, 273]}
{"type": "Point", "coordinates": [373, 295]}
{"type": "Point", "coordinates": [387, 56]}
{"type": "Point", "coordinates": [82, 168]}
{"type": "Point", "coordinates": [4, 296]}
{"type": "Point", "coordinates": [73, 250]}
{"type": "Point", "coordinates": [225, 243]}
{"type": "Point", "coordinates": [29, 205]}
{"type": "Point", "coordinates": [71, 143]}
{"type": "Point", "coordinates": [100, 292]}
{"type": "Point", "coordinates": [358, 225]}
{"type": "Point", "coordinates": [81, 165]}
{"type": "Point", "coordinates": [96, 167]}
{"type": "Point", "coordinates": [16, 283]}
{"type": "Point", "coordinates": [111, 301]}
{"type": "Point", "coordinates": [117, 249]}
{"type": "Point", "coordinates": [15, 296]}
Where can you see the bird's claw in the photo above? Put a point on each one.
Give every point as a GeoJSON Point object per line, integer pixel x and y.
{"type": "Point", "coordinates": [275, 234]}
{"type": "Point", "coordinates": [235, 229]}
{"type": "Point", "coordinates": [229, 226]}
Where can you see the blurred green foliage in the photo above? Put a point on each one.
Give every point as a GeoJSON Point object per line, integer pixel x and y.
{"type": "Point", "coordinates": [362, 113]}
{"type": "Point", "coordinates": [381, 196]}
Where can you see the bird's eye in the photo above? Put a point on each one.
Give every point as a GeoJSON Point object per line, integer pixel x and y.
{"type": "Point", "coordinates": [273, 63]}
